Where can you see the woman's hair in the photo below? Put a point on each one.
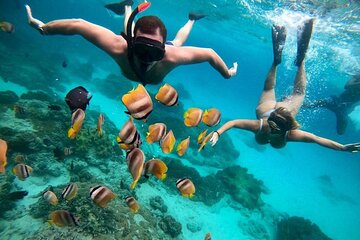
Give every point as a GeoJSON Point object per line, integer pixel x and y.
{"type": "Point", "coordinates": [282, 120]}
{"type": "Point", "coordinates": [149, 25]}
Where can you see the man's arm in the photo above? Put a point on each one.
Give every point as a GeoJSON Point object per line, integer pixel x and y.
{"type": "Point", "coordinates": [191, 55]}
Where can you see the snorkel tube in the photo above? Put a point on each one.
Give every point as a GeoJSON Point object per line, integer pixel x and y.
{"type": "Point", "coordinates": [130, 40]}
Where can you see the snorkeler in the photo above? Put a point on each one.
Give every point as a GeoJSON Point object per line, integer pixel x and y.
{"type": "Point", "coordinates": [341, 105]}
{"type": "Point", "coordinates": [143, 54]}
{"type": "Point", "coordinates": [276, 122]}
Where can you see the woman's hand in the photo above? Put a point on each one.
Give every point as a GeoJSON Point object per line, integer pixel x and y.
{"type": "Point", "coordinates": [353, 147]}
{"type": "Point", "coordinates": [214, 138]}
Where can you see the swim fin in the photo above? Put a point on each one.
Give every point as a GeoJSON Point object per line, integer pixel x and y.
{"type": "Point", "coordinates": [278, 39]}
{"type": "Point", "coordinates": [304, 35]}
{"type": "Point", "coordinates": [196, 16]}
{"type": "Point", "coordinates": [119, 8]}
{"type": "Point", "coordinates": [341, 121]}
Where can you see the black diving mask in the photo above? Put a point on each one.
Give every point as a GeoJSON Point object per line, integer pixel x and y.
{"type": "Point", "coordinates": [148, 50]}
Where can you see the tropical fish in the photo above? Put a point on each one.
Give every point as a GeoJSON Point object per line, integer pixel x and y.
{"type": "Point", "coordinates": [192, 117]}
{"type": "Point", "coordinates": [135, 161]}
{"type": "Point", "coordinates": [183, 146]}
{"type": "Point", "coordinates": [201, 136]}
{"type": "Point", "coordinates": [77, 120]}
{"type": "Point", "coordinates": [156, 132]}
{"type": "Point", "coordinates": [22, 171]}
{"type": "Point", "coordinates": [100, 122]}
{"type": "Point", "coordinates": [211, 117]}
{"type": "Point", "coordinates": [50, 197]}
{"type": "Point", "coordinates": [208, 236]}
{"type": "Point", "coordinates": [186, 187]}
{"type": "Point", "coordinates": [167, 142]}
{"type": "Point", "coordinates": [156, 167]}
{"type": "Point", "coordinates": [7, 27]}
{"type": "Point", "coordinates": [132, 204]}
{"type": "Point", "coordinates": [68, 151]}
{"type": "Point", "coordinates": [63, 218]}
{"type": "Point", "coordinates": [138, 103]}
{"type": "Point", "coordinates": [101, 195]}
{"type": "Point", "coordinates": [205, 141]}
{"type": "Point", "coordinates": [3, 158]}
{"type": "Point", "coordinates": [128, 133]}
{"type": "Point", "coordinates": [167, 95]}
{"type": "Point", "coordinates": [54, 107]}
{"type": "Point", "coordinates": [70, 191]}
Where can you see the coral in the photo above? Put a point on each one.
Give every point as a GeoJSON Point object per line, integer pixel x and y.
{"type": "Point", "coordinates": [37, 95]}
{"type": "Point", "coordinates": [157, 203]}
{"type": "Point", "coordinates": [170, 226]}
{"type": "Point", "coordinates": [298, 228]}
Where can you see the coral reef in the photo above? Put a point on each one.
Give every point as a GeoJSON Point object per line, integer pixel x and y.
{"type": "Point", "coordinates": [8, 97]}
{"type": "Point", "coordinates": [157, 203]}
{"type": "Point", "coordinates": [170, 226]}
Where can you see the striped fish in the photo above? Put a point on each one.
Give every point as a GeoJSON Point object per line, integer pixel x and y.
{"type": "Point", "coordinates": [167, 142]}
{"type": "Point", "coordinates": [100, 122]}
{"type": "Point", "coordinates": [101, 195]}
{"type": "Point", "coordinates": [155, 132]}
{"type": "Point", "coordinates": [128, 133]}
{"type": "Point", "coordinates": [77, 119]}
{"type": "Point", "coordinates": [135, 161]}
{"type": "Point", "coordinates": [50, 197]}
{"type": "Point", "coordinates": [138, 103]}
{"type": "Point", "coordinates": [63, 218]}
{"type": "Point", "coordinates": [183, 146]}
{"type": "Point", "coordinates": [22, 171]}
{"type": "Point", "coordinates": [186, 187]}
{"type": "Point", "coordinates": [192, 117]}
{"type": "Point", "coordinates": [167, 95]}
{"type": "Point", "coordinates": [70, 191]}
{"type": "Point", "coordinates": [3, 158]}
{"type": "Point", "coordinates": [211, 117]}
{"type": "Point", "coordinates": [132, 204]}
{"type": "Point", "coordinates": [68, 151]}
{"type": "Point", "coordinates": [156, 167]}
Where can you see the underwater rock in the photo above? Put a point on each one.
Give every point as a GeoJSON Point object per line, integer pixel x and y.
{"type": "Point", "coordinates": [37, 95]}
{"type": "Point", "coordinates": [157, 203]}
{"type": "Point", "coordinates": [257, 230]}
{"type": "Point", "coordinates": [170, 226]}
{"type": "Point", "coordinates": [8, 97]}
{"type": "Point", "coordinates": [193, 227]}
{"type": "Point", "coordinates": [298, 228]}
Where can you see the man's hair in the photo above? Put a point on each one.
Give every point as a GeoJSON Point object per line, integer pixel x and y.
{"type": "Point", "coordinates": [283, 120]}
{"type": "Point", "coordinates": [149, 25]}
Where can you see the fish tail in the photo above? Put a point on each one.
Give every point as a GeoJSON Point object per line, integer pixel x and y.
{"type": "Point", "coordinates": [133, 185]}
{"type": "Point", "coordinates": [71, 133]}
{"type": "Point", "coordinates": [163, 176]}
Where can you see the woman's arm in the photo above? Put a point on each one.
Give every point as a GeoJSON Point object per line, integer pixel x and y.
{"type": "Point", "coordinates": [302, 136]}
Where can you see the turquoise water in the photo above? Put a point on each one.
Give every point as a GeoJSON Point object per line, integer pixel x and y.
{"type": "Point", "coordinates": [302, 180]}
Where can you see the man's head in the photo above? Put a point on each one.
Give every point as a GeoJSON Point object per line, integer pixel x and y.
{"type": "Point", "coordinates": [281, 121]}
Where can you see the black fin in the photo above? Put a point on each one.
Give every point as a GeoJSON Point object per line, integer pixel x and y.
{"type": "Point", "coordinates": [341, 121]}
{"type": "Point", "coordinates": [278, 40]}
{"type": "Point", "coordinates": [196, 16]}
{"type": "Point", "coordinates": [304, 35]}
{"type": "Point", "coordinates": [119, 8]}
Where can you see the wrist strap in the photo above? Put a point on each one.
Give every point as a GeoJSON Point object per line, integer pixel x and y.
{"type": "Point", "coordinates": [217, 133]}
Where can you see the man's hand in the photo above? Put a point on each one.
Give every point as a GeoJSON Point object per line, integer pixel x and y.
{"type": "Point", "coordinates": [353, 147]}
{"type": "Point", "coordinates": [233, 69]}
{"type": "Point", "coordinates": [214, 138]}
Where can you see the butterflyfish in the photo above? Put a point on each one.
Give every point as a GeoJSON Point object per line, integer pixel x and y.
{"type": "Point", "coordinates": [156, 167]}
{"type": "Point", "coordinates": [100, 122]}
{"type": "Point", "coordinates": [211, 117]}
{"type": "Point", "coordinates": [205, 141]}
{"type": "Point", "coordinates": [77, 119]}
{"type": "Point", "coordinates": [167, 142]}
{"type": "Point", "coordinates": [3, 158]}
{"type": "Point", "coordinates": [167, 95]}
{"type": "Point", "coordinates": [208, 236]}
{"type": "Point", "coordinates": [155, 132]}
{"type": "Point", "coordinates": [22, 171]}
{"type": "Point", "coordinates": [63, 218]}
{"type": "Point", "coordinates": [138, 103]}
{"type": "Point", "coordinates": [192, 117]}
{"type": "Point", "coordinates": [50, 197]}
{"type": "Point", "coordinates": [70, 191]}
{"type": "Point", "coordinates": [201, 136]}
{"type": "Point", "coordinates": [101, 195]}
{"type": "Point", "coordinates": [7, 27]}
{"type": "Point", "coordinates": [186, 187]}
{"type": "Point", "coordinates": [183, 146]}
{"type": "Point", "coordinates": [135, 161]}
{"type": "Point", "coordinates": [128, 133]}
{"type": "Point", "coordinates": [132, 204]}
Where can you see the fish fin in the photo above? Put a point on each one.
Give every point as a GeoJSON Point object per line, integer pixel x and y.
{"type": "Point", "coordinates": [71, 133]}
{"type": "Point", "coordinates": [185, 195]}
{"type": "Point", "coordinates": [163, 176]}
{"type": "Point", "coordinates": [133, 185]}
{"type": "Point", "coordinates": [191, 195]}
{"type": "Point", "coordinates": [51, 222]}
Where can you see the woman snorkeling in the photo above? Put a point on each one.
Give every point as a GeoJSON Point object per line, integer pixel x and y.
{"type": "Point", "coordinates": [276, 122]}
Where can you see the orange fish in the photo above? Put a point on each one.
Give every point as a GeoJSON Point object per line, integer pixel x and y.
{"type": "Point", "coordinates": [167, 95]}
{"type": "Point", "coordinates": [70, 191]}
{"type": "Point", "coordinates": [201, 136]}
{"type": "Point", "coordinates": [7, 27]}
{"type": "Point", "coordinates": [156, 132]}
{"type": "Point", "coordinates": [211, 117]}
{"type": "Point", "coordinates": [22, 171]}
{"type": "Point", "coordinates": [183, 146]}
{"type": "Point", "coordinates": [135, 161]}
{"type": "Point", "coordinates": [192, 117]}
{"type": "Point", "coordinates": [101, 195]}
{"type": "Point", "coordinates": [77, 120]}
{"type": "Point", "coordinates": [138, 103]}
{"type": "Point", "coordinates": [205, 141]}
{"type": "Point", "coordinates": [50, 197]}
{"type": "Point", "coordinates": [156, 167]}
{"type": "Point", "coordinates": [186, 187]}
{"type": "Point", "coordinates": [3, 158]}
{"type": "Point", "coordinates": [132, 204]}
{"type": "Point", "coordinates": [62, 218]}
{"type": "Point", "coordinates": [128, 133]}
{"type": "Point", "coordinates": [100, 122]}
{"type": "Point", "coordinates": [167, 142]}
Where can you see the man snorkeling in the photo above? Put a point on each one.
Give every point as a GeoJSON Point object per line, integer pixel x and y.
{"type": "Point", "coordinates": [276, 124]}
{"type": "Point", "coordinates": [342, 104]}
{"type": "Point", "coordinates": [141, 52]}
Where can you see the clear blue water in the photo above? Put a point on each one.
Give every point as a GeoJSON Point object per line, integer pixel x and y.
{"type": "Point", "coordinates": [238, 31]}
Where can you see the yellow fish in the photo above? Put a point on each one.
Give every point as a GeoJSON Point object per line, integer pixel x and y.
{"type": "Point", "coordinates": [156, 132]}
{"type": "Point", "coordinates": [132, 204]}
{"type": "Point", "coordinates": [186, 187]}
{"type": "Point", "coordinates": [70, 191]}
{"type": "Point", "coordinates": [77, 120]}
{"type": "Point", "coordinates": [138, 103]}
{"type": "Point", "coordinates": [168, 142]}
{"type": "Point", "coordinates": [135, 161]}
{"type": "Point", "coordinates": [183, 146]}
{"type": "Point", "coordinates": [192, 117]}
{"type": "Point", "coordinates": [3, 158]}
{"type": "Point", "coordinates": [62, 218]}
{"type": "Point", "coordinates": [128, 133]}
{"type": "Point", "coordinates": [201, 136]}
{"type": "Point", "coordinates": [156, 167]}
{"type": "Point", "coordinates": [22, 171]}
{"type": "Point", "coordinates": [211, 117]}
{"type": "Point", "coordinates": [167, 95]}
{"type": "Point", "coordinates": [205, 141]}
